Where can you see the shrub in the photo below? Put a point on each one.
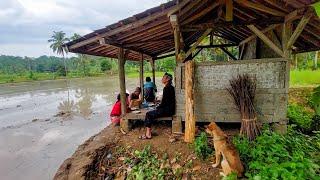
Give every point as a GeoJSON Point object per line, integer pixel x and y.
{"type": "Point", "coordinates": [315, 100]}
{"type": "Point", "coordinates": [201, 146]}
{"type": "Point", "coordinates": [105, 65]}
{"type": "Point", "coordinates": [275, 156]}
{"type": "Point", "coordinates": [300, 117]}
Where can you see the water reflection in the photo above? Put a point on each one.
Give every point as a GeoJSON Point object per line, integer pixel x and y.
{"type": "Point", "coordinates": [86, 96]}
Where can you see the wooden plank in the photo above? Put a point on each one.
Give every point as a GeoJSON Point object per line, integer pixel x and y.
{"type": "Point", "coordinates": [229, 10]}
{"type": "Point", "coordinates": [202, 13]}
{"type": "Point", "coordinates": [266, 40]}
{"type": "Point", "coordinates": [269, 28]}
{"type": "Point", "coordinates": [217, 45]}
{"type": "Point", "coordinates": [260, 7]}
{"type": "Point", "coordinates": [228, 53]}
{"type": "Point", "coordinates": [303, 22]}
{"type": "Point", "coordinates": [141, 75]}
{"type": "Point", "coordinates": [123, 28]}
{"type": "Point", "coordinates": [194, 46]}
{"type": "Point", "coordinates": [190, 121]}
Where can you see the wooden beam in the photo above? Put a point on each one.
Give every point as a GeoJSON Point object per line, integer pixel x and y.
{"type": "Point", "coordinates": [190, 122]}
{"type": "Point", "coordinates": [141, 76]}
{"type": "Point", "coordinates": [123, 28]}
{"type": "Point", "coordinates": [229, 10]}
{"type": "Point", "coordinates": [260, 7]}
{"type": "Point", "coordinates": [194, 46]}
{"type": "Point", "coordinates": [228, 53]}
{"type": "Point", "coordinates": [217, 45]}
{"type": "Point", "coordinates": [165, 56]}
{"type": "Point", "coordinates": [196, 53]}
{"type": "Point", "coordinates": [266, 40]}
{"type": "Point", "coordinates": [303, 22]}
{"type": "Point", "coordinates": [269, 28]}
{"type": "Point", "coordinates": [286, 33]}
{"type": "Point", "coordinates": [177, 35]}
{"type": "Point", "coordinates": [202, 13]}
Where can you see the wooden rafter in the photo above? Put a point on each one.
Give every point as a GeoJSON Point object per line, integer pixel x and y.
{"type": "Point", "coordinates": [194, 46]}
{"type": "Point", "coordinates": [201, 14]}
{"type": "Point", "coordinates": [216, 45]}
{"type": "Point", "coordinates": [266, 40]}
{"type": "Point", "coordinates": [303, 22]}
{"type": "Point", "coordinates": [260, 7]}
{"type": "Point", "coordinates": [269, 28]}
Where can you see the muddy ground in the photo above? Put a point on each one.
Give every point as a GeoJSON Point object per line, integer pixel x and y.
{"type": "Point", "coordinates": [90, 160]}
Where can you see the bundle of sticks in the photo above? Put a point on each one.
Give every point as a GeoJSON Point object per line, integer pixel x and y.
{"type": "Point", "coordinates": [242, 89]}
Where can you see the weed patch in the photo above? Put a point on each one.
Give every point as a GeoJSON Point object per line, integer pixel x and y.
{"type": "Point", "coordinates": [201, 147]}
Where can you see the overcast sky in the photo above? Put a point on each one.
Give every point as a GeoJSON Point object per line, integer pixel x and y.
{"type": "Point", "coordinates": [26, 25]}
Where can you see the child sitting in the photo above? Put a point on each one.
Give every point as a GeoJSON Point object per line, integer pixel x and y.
{"type": "Point", "coordinates": [115, 114]}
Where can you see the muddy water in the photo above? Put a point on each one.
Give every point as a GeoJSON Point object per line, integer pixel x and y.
{"type": "Point", "coordinates": [42, 123]}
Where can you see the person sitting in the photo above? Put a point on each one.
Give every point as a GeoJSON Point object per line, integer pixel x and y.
{"type": "Point", "coordinates": [135, 98]}
{"type": "Point", "coordinates": [166, 107]}
{"type": "Point", "coordinates": [115, 114]}
{"type": "Point", "coordinates": [150, 90]}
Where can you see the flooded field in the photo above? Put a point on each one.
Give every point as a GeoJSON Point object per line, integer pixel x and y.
{"type": "Point", "coordinates": [42, 123]}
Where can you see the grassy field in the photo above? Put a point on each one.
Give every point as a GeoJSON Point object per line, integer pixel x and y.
{"type": "Point", "coordinates": [16, 78]}
{"type": "Point", "coordinates": [304, 78]}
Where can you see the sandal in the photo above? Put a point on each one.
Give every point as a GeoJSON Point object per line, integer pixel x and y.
{"type": "Point", "coordinates": [144, 137]}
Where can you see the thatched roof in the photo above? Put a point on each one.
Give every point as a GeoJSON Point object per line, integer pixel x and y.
{"type": "Point", "coordinates": [151, 32]}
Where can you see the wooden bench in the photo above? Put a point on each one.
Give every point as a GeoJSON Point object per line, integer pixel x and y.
{"type": "Point", "coordinates": [129, 117]}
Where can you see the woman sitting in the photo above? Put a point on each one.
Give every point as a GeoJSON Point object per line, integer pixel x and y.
{"type": "Point", "coordinates": [115, 114]}
{"type": "Point", "coordinates": [150, 90]}
{"type": "Point", "coordinates": [135, 98]}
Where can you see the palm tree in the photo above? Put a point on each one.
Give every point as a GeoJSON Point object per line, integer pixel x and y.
{"type": "Point", "coordinates": [82, 57]}
{"type": "Point", "coordinates": [57, 41]}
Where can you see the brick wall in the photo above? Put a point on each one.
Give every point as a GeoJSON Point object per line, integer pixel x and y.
{"type": "Point", "coordinates": [212, 101]}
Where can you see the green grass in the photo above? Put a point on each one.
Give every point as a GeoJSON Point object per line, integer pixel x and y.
{"type": "Point", "coordinates": [304, 78]}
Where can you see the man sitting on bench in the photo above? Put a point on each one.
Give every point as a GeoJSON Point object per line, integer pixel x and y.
{"type": "Point", "coordinates": [166, 108]}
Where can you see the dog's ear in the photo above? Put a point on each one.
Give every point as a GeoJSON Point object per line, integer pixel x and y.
{"type": "Point", "coordinates": [212, 126]}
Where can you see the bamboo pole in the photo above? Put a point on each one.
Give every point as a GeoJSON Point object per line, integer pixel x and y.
{"type": "Point", "coordinates": [122, 81]}
{"type": "Point", "coordinates": [190, 122]}
{"type": "Point", "coordinates": [153, 71]}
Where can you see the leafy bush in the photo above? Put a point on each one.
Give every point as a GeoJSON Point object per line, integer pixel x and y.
{"type": "Point", "coordinates": [201, 147]}
{"type": "Point", "coordinates": [315, 100]}
{"type": "Point", "coordinates": [275, 156]}
{"type": "Point", "coordinates": [300, 117]}
{"type": "Point", "coordinates": [105, 65]}
{"type": "Point", "coordinates": [148, 166]}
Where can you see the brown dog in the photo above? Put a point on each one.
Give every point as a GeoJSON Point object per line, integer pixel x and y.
{"type": "Point", "coordinates": [231, 160]}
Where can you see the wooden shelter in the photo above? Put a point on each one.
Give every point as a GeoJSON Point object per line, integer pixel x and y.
{"type": "Point", "coordinates": [260, 28]}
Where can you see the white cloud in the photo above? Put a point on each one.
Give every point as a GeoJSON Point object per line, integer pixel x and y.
{"type": "Point", "coordinates": [26, 25]}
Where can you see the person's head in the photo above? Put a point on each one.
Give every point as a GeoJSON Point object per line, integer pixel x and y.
{"type": "Point", "coordinates": [148, 79]}
{"type": "Point", "coordinates": [166, 79]}
{"type": "Point", "coordinates": [118, 96]}
{"type": "Point", "coordinates": [137, 90]}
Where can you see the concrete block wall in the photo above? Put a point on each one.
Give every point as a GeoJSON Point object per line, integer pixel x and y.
{"type": "Point", "coordinates": [212, 101]}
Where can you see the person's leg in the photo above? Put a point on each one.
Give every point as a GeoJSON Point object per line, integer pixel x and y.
{"type": "Point", "coordinates": [150, 117]}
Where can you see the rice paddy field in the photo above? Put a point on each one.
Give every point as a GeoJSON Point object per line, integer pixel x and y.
{"type": "Point", "coordinates": [304, 78]}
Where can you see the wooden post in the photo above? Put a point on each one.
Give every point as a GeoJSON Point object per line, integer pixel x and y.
{"type": "Point", "coordinates": [176, 34]}
{"type": "Point", "coordinates": [141, 76]}
{"type": "Point", "coordinates": [190, 122]}
{"type": "Point", "coordinates": [286, 33]}
{"type": "Point", "coordinates": [153, 71]}
{"type": "Point", "coordinates": [121, 61]}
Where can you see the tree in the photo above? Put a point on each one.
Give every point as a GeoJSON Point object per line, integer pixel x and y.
{"type": "Point", "coordinates": [315, 61]}
{"type": "Point", "coordinates": [57, 41]}
{"type": "Point", "coordinates": [82, 57]}
{"type": "Point", "coordinates": [105, 65]}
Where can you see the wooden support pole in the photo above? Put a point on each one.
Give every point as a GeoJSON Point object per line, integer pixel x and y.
{"type": "Point", "coordinates": [303, 22]}
{"type": "Point", "coordinates": [286, 33]}
{"type": "Point", "coordinates": [122, 81]}
{"type": "Point", "coordinates": [250, 38]}
{"type": "Point", "coordinates": [190, 121]}
{"type": "Point", "coordinates": [153, 70]}
{"type": "Point", "coordinates": [141, 75]}
{"type": "Point", "coordinates": [266, 40]}
{"type": "Point", "coordinates": [176, 34]}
